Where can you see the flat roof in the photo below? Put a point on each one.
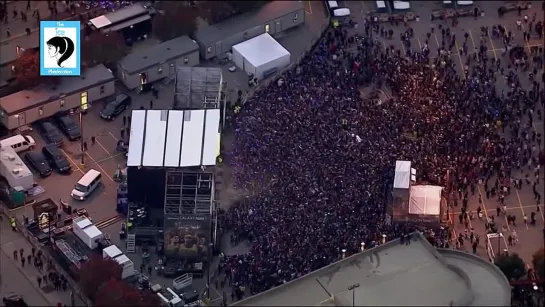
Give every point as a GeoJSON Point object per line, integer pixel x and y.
{"type": "Point", "coordinates": [40, 95]}
{"type": "Point", "coordinates": [490, 287]}
{"type": "Point", "coordinates": [155, 55]}
{"type": "Point", "coordinates": [12, 161]}
{"type": "Point", "coordinates": [119, 15]}
{"type": "Point", "coordinates": [275, 9]}
{"type": "Point", "coordinates": [389, 274]}
{"type": "Point", "coordinates": [171, 138]}
{"type": "Point", "coordinates": [261, 49]}
{"type": "Point", "coordinates": [196, 85]}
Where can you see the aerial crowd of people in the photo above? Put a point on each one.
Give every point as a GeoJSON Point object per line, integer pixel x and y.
{"type": "Point", "coordinates": [316, 156]}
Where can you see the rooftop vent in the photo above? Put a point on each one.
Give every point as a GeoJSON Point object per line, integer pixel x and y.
{"type": "Point", "coordinates": [145, 57]}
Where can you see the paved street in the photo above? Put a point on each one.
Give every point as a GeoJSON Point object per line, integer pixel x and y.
{"type": "Point", "coordinates": [520, 202]}
{"type": "Point", "coordinates": [19, 280]}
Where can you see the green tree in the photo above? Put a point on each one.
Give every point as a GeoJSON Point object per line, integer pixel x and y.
{"type": "Point", "coordinates": [512, 266]}
{"type": "Point", "coordinates": [174, 19]}
{"type": "Point", "coordinates": [538, 260]}
{"type": "Point", "coordinates": [99, 48]}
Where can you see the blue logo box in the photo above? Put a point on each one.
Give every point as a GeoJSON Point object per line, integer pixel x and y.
{"type": "Point", "coordinates": [60, 48]}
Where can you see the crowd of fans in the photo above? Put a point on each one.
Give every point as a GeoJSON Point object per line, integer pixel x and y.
{"type": "Point", "coordinates": [316, 156]}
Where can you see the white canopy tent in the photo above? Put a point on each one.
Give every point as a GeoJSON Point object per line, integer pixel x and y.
{"type": "Point", "coordinates": [425, 199]}
{"type": "Point", "coordinates": [402, 177]}
{"type": "Point", "coordinates": [260, 55]}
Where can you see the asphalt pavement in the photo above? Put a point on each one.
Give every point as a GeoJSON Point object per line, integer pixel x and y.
{"type": "Point", "coordinates": [519, 203]}
{"type": "Point", "coordinates": [18, 280]}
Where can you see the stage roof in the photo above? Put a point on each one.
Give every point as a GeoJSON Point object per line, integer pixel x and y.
{"type": "Point", "coordinates": [425, 199]}
{"type": "Point", "coordinates": [402, 177]}
{"type": "Point", "coordinates": [170, 138]}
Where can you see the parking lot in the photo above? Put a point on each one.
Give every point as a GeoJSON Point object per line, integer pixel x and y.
{"type": "Point", "coordinates": [520, 202]}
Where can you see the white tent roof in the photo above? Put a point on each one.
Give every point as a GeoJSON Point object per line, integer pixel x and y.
{"type": "Point", "coordinates": [261, 49]}
{"type": "Point", "coordinates": [82, 222]}
{"type": "Point", "coordinates": [425, 199]}
{"type": "Point", "coordinates": [402, 176]}
{"type": "Point", "coordinates": [171, 138]}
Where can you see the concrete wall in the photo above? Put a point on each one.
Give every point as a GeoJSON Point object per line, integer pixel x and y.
{"type": "Point", "coordinates": [157, 72]}
{"type": "Point", "coordinates": [62, 104]}
{"type": "Point", "coordinates": [275, 26]}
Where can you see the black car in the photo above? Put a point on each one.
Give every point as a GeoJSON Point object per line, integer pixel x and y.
{"type": "Point", "coordinates": [38, 161]}
{"type": "Point", "coordinates": [116, 106]}
{"type": "Point", "coordinates": [50, 133]}
{"type": "Point", "coordinates": [56, 158]}
{"type": "Point", "coordinates": [68, 127]}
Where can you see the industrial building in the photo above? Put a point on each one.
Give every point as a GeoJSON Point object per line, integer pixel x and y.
{"type": "Point", "coordinates": [171, 179]}
{"type": "Point", "coordinates": [157, 62]}
{"type": "Point", "coordinates": [394, 274]}
{"type": "Point", "coordinates": [261, 56]}
{"type": "Point", "coordinates": [27, 106]}
{"type": "Point", "coordinates": [198, 88]}
{"type": "Point", "coordinates": [273, 18]}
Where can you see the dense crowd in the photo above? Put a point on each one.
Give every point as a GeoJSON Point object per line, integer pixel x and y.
{"type": "Point", "coordinates": [316, 156]}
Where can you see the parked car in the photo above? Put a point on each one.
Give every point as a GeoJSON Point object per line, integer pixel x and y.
{"type": "Point", "coordinates": [68, 127]}
{"type": "Point", "coordinates": [50, 133]}
{"type": "Point", "coordinates": [116, 106]}
{"type": "Point", "coordinates": [38, 162]}
{"type": "Point", "coordinates": [56, 159]}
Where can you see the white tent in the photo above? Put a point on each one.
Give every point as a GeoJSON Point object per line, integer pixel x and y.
{"type": "Point", "coordinates": [402, 177]}
{"type": "Point", "coordinates": [260, 56]}
{"type": "Point", "coordinates": [425, 199]}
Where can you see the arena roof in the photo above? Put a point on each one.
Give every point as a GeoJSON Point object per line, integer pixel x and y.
{"type": "Point", "coordinates": [395, 274]}
{"type": "Point", "coordinates": [169, 138]}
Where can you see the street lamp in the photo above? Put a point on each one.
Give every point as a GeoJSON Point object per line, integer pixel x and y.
{"type": "Point", "coordinates": [81, 111]}
{"type": "Point", "coordinates": [353, 289]}
{"type": "Point", "coordinates": [362, 246]}
{"type": "Point", "coordinates": [343, 253]}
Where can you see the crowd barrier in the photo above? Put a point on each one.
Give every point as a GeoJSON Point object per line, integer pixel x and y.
{"type": "Point", "coordinates": [38, 246]}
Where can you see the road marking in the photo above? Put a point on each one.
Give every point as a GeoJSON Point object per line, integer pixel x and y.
{"type": "Point", "coordinates": [461, 62]}
{"type": "Point", "coordinates": [472, 41]}
{"type": "Point", "coordinates": [522, 209]}
{"type": "Point", "coordinates": [493, 210]}
{"type": "Point", "coordinates": [98, 165]}
{"type": "Point", "coordinates": [493, 48]}
{"type": "Point", "coordinates": [525, 42]}
{"type": "Point", "coordinates": [541, 207]}
{"type": "Point", "coordinates": [419, 43]}
{"type": "Point", "coordinates": [96, 140]}
{"type": "Point", "coordinates": [113, 137]}
{"type": "Point", "coordinates": [110, 157]}
{"type": "Point", "coordinates": [309, 7]}
{"type": "Point", "coordinates": [484, 206]}
{"type": "Point", "coordinates": [70, 159]}
{"type": "Point", "coordinates": [437, 41]}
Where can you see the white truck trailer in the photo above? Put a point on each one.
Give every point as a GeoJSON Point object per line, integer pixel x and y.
{"type": "Point", "coordinates": [14, 170]}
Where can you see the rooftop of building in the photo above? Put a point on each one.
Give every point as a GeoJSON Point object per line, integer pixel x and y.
{"type": "Point", "coordinates": [222, 30]}
{"type": "Point", "coordinates": [395, 274]}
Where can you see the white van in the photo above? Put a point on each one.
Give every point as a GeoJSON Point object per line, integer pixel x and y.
{"type": "Point", "coordinates": [342, 12]}
{"type": "Point", "coordinates": [19, 142]}
{"type": "Point", "coordinates": [332, 5]}
{"type": "Point", "coordinates": [86, 185]}
{"type": "Point", "coordinates": [402, 5]}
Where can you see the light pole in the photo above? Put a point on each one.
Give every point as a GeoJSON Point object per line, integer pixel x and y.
{"type": "Point", "coordinates": [353, 289]}
{"type": "Point", "coordinates": [343, 253]}
{"type": "Point", "coordinates": [81, 136]}
{"type": "Point", "coordinates": [362, 246]}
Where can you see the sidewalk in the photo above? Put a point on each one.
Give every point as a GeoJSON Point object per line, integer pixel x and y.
{"type": "Point", "coordinates": [24, 282]}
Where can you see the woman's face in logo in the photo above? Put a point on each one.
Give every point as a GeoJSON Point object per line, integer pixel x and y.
{"type": "Point", "coordinates": [52, 50]}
